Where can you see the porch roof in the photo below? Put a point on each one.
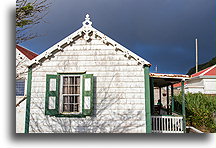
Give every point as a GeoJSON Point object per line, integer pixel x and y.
{"type": "Point", "coordinates": [162, 80]}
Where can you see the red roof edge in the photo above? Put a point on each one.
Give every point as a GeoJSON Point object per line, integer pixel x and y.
{"type": "Point", "coordinates": [205, 72]}
{"type": "Point", "coordinates": [211, 72]}
{"type": "Point", "coordinates": [28, 53]}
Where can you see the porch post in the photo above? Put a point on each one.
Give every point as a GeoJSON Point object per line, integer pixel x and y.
{"type": "Point", "coordinates": [147, 100]}
{"type": "Point", "coordinates": [183, 105]}
{"type": "Point", "coordinates": [160, 103]}
{"type": "Point", "coordinates": [167, 88]}
{"type": "Point", "coordinates": [172, 96]}
{"type": "Point", "coordinates": [152, 94]}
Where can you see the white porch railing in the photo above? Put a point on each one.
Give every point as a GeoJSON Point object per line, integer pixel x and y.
{"type": "Point", "coordinates": [167, 124]}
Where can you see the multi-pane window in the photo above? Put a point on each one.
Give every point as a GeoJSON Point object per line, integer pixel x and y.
{"type": "Point", "coordinates": [20, 87]}
{"type": "Point", "coordinates": [71, 94]}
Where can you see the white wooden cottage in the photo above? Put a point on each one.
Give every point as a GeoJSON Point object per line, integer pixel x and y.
{"type": "Point", "coordinates": [88, 83]}
{"type": "Point", "coordinates": [23, 56]}
{"type": "Point", "coordinates": [203, 81]}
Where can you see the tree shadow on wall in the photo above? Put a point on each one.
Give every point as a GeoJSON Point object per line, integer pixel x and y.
{"type": "Point", "coordinates": [110, 116]}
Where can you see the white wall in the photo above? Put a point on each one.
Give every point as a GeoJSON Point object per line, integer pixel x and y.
{"type": "Point", "coordinates": [20, 115]}
{"type": "Point", "coordinates": [21, 73]}
{"type": "Point", "coordinates": [119, 90]}
{"type": "Point", "coordinates": [210, 86]}
{"type": "Point", "coordinates": [205, 85]}
{"type": "Point", "coordinates": [194, 86]}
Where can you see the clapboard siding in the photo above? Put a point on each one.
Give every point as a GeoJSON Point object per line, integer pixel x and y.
{"type": "Point", "coordinates": [114, 84]}
{"type": "Point", "coordinates": [40, 77]}
{"type": "Point", "coordinates": [118, 91]}
{"type": "Point", "coordinates": [101, 68]}
{"type": "Point", "coordinates": [106, 74]}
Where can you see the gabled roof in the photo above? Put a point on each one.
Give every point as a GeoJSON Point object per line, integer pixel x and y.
{"type": "Point", "coordinates": [29, 54]}
{"type": "Point", "coordinates": [210, 71]}
{"type": "Point", "coordinates": [87, 32]}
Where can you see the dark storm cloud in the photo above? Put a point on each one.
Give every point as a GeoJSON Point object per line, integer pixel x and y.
{"type": "Point", "coordinates": [161, 31]}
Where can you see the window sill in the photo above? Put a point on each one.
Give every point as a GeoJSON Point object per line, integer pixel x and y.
{"type": "Point", "coordinates": [70, 113]}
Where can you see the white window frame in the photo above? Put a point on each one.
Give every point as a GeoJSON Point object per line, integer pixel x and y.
{"type": "Point", "coordinates": [61, 95]}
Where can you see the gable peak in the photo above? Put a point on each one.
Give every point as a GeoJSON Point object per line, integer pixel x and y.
{"type": "Point", "coordinates": [87, 22]}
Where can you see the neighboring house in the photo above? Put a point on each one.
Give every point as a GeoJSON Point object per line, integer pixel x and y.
{"type": "Point", "coordinates": [23, 56]}
{"type": "Point", "coordinates": [203, 81]}
{"type": "Point", "coordinates": [88, 83]}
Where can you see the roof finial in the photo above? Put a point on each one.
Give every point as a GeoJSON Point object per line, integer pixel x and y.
{"type": "Point", "coordinates": [87, 17]}
{"type": "Point", "coordinates": [87, 22]}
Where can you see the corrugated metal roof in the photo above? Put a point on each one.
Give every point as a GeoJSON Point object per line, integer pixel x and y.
{"type": "Point", "coordinates": [161, 75]}
{"type": "Point", "coordinates": [162, 80]}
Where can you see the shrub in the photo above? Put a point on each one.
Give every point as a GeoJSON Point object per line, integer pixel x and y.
{"type": "Point", "coordinates": [200, 110]}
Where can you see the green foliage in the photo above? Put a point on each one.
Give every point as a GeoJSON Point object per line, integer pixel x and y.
{"type": "Point", "coordinates": [200, 109]}
{"type": "Point", "coordinates": [26, 10]}
{"type": "Point", "coordinates": [202, 66]}
{"type": "Point", "coordinates": [28, 14]}
{"type": "Point", "coordinates": [23, 23]}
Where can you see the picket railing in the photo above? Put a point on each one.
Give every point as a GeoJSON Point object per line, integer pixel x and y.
{"type": "Point", "coordinates": [167, 124]}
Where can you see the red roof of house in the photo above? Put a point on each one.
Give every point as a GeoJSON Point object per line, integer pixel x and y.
{"type": "Point", "coordinates": [29, 54]}
{"type": "Point", "coordinates": [210, 71]}
{"type": "Point", "coordinates": [177, 84]}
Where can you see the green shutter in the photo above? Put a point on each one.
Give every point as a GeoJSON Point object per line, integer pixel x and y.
{"type": "Point", "coordinates": [88, 94]}
{"type": "Point", "coordinates": [52, 95]}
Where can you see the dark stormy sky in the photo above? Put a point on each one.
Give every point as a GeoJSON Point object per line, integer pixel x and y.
{"type": "Point", "coordinates": [161, 31]}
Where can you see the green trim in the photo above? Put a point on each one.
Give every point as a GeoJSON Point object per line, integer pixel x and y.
{"type": "Point", "coordinates": [79, 73]}
{"type": "Point", "coordinates": [53, 94]}
{"type": "Point", "coordinates": [152, 94]}
{"type": "Point", "coordinates": [183, 106]}
{"type": "Point", "coordinates": [172, 97]}
{"type": "Point", "coordinates": [167, 91]}
{"type": "Point", "coordinates": [170, 115]}
{"type": "Point", "coordinates": [70, 115]}
{"type": "Point", "coordinates": [55, 112]}
{"type": "Point", "coordinates": [147, 100]}
{"type": "Point", "coordinates": [177, 113]}
{"type": "Point", "coordinates": [28, 100]}
{"type": "Point", "coordinates": [88, 112]}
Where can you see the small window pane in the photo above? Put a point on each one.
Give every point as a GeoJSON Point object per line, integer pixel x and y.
{"type": "Point", "coordinates": [71, 80]}
{"type": "Point", "coordinates": [52, 84]}
{"type": "Point", "coordinates": [77, 81]}
{"type": "Point", "coordinates": [52, 102]}
{"type": "Point", "coordinates": [65, 80]}
{"type": "Point", "coordinates": [87, 84]}
{"type": "Point", "coordinates": [20, 87]}
{"type": "Point", "coordinates": [71, 90]}
{"type": "Point", "coordinates": [87, 102]}
{"type": "Point", "coordinates": [65, 90]}
{"type": "Point", "coordinates": [77, 89]}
